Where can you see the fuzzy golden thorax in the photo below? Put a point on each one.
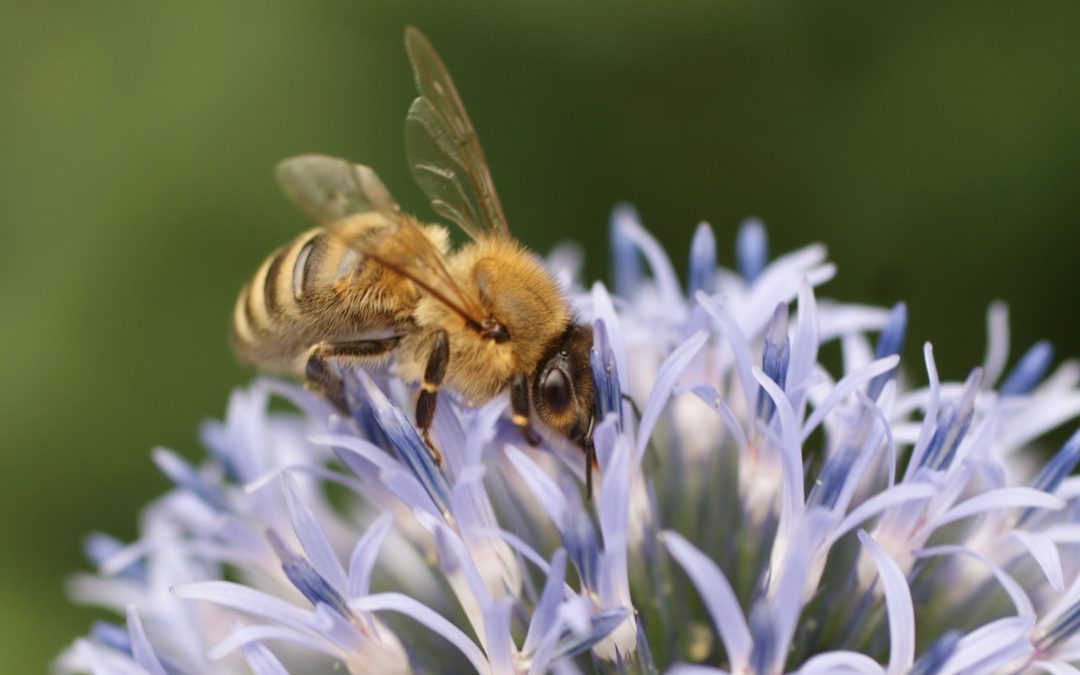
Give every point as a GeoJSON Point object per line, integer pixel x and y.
{"type": "Point", "coordinates": [518, 292]}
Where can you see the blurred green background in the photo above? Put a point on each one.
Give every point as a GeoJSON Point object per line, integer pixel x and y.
{"type": "Point", "coordinates": [935, 149]}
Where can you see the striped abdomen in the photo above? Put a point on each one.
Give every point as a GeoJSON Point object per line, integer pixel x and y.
{"type": "Point", "coordinates": [316, 288]}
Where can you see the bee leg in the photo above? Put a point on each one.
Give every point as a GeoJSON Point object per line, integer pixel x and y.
{"type": "Point", "coordinates": [322, 378]}
{"type": "Point", "coordinates": [434, 372]}
{"type": "Point", "coordinates": [519, 407]}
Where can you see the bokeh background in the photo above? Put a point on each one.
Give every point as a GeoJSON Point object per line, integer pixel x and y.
{"type": "Point", "coordinates": [935, 148]}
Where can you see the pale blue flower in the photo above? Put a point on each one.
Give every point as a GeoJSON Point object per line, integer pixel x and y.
{"type": "Point", "coordinates": [760, 513]}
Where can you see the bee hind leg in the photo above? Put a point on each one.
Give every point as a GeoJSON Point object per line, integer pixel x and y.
{"type": "Point", "coordinates": [321, 377]}
{"type": "Point", "coordinates": [434, 372]}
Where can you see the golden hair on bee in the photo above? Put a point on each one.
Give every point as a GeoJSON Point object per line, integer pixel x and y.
{"type": "Point", "coordinates": [370, 283]}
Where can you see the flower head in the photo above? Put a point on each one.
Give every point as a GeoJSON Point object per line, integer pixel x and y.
{"type": "Point", "coordinates": [756, 512]}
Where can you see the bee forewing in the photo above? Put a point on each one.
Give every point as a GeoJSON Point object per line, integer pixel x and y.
{"type": "Point", "coordinates": [443, 150]}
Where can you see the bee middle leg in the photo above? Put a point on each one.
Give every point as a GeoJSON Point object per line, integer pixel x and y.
{"type": "Point", "coordinates": [434, 372]}
{"type": "Point", "coordinates": [322, 378]}
{"type": "Point", "coordinates": [519, 407]}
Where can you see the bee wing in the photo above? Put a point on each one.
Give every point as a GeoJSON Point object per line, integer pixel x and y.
{"type": "Point", "coordinates": [329, 190]}
{"type": "Point", "coordinates": [443, 150]}
{"type": "Point", "coordinates": [412, 255]}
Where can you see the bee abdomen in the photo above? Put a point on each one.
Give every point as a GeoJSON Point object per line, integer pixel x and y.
{"type": "Point", "coordinates": [292, 297]}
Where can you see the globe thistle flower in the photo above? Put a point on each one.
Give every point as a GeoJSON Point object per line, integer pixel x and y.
{"type": "Point", "coordinates": [760, 513]}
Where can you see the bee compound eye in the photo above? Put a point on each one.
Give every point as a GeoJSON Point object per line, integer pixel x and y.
{"type": "Point", "coordinates": [556, 390]}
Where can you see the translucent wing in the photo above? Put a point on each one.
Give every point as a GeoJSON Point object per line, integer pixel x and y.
{"type": "Point", "coordinates": [410, 253]}
{"type": "Point", "coordinates": [443, 149]}
{"type": "Point", "coordinates": [330, 189]}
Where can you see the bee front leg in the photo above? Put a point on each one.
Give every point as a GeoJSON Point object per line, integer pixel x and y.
{"type": "Point", "coordinates": [519, 407]}
{"type": "Point", "coordinates": [322, 378]}
{"type": "Point", "coordinates": [434, 372]}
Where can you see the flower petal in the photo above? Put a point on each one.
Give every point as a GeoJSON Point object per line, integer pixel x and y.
{"type": "Point", "coordinates": [702, 261]}
{"type": "Point", "coordinates": [844, 388]}
{"type": "Point", "coordinates": [362, 561]}
{"type": "Point", "coordinates": [403, 604]}
{"type": "Point", "coordinates": [669, 372]}
{"type": "Point", "coordinates": [312, 538]}
{"type": "Point", "coordinates": [740, 347]}
{"type": "Point", "coordinates": [1042, 549]}
{"type": "Point", "coordinates": [841, 662]}
{"type": "Point", "coordinates": [543, 616]}
{"type": "Point", "coordinates": [141, 650]}
{"type": "Point", "coordinates": [992, 500]}
{"type": "Point", "coordinates": [717, 595]}
{"type": "Point", "coordinates": [991, 647]}
{"type": "Point", "coordinates": [542, 487]}
{"type": "Point", "coordinates": [262, 661]}
{"type": "Point", "coordinates": [1016, 593]}
{"type": "Point", "coordinates": [897, 604]}
{"type": "Point", "coordinates": [997, 343]}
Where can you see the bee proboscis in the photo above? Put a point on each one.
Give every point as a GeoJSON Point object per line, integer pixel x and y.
{"type": "Point", "coordinates": [371, 282]}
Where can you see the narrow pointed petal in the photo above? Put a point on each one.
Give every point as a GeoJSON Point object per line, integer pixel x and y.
{"type": "Point", "coordinates": [410, 447]}
{"type": "Point", "coordinates": [804, 348]}
{"type": "Point", "coordinates": [1045, 553]}
{"type": "Point", "coordinates": [790, 447]}
{"type": "Point", "coordinates": [890, 342]}
{"type": "Point", "coordinates": [601, 625]}
{"type": "Point", "coordinates": [736, 339]}
{"type": "Point", "coordinates": [708, 395]}
{"type": "Point", "coordinates": [498, 641]}
{"type": "Point", "coordinates": [251, 601]}
{"type": "Point", "coordinates": [185, 476]}
{"type": "Point", "coordinates": [543, 616]}
{"type": "Point", "coordinates": [926, 431]}
{"type": "Point", "coordinates": [841, 663]}
{"type": "Point", "coordinates": [898, 605]}
{"type": "Point", "coordinates": [1029, 370]}
{"type": "Point", "coordinates": [402, 604]}
{"type": "Point", "coordinates": [141, 650]}
{"type": "Point", "coordinates": [543, 488]}
{"type": "Point", "coordinates": [990, 647]}
{"type": "Point", "coordinates": [702, 261]}
{"type": "Point", "coordinates": [625, 258]}
{"type": "Point", "coordinates": [751, 249]}
{"type": "Point", "coordinates": [1056, 470]}
{"type": "Point", "coordinates": [1016, 593]}
{"type": "Point", "coordinates": [717, 595]}
{"type": "Point", "coordinates": [604, 310]}
{"type": "Point", "coordinates": [878, 503]}
{"type": "Point", "coordinates": [249, 635]}
{"type": "Point", "coordinates": [362, 561]}
{"type": "Point", "coordinates": [997, 345]}
{"type": "Point", "coordinates": [1056, 667]}
{"type": "Point", "coordinates": [659, 264]}
{"type": "Point", "coordinates": [262, 661]}
{"type": "Point", "coordinates": [993, 500]}
{"type": "Point", "coordinates": [306, 578]}
{"type": "Point", "coordinates": [605, 372]}
{"type": "Point", "coordinates": [666, 377]}
{"type": "Point", "coordinates": [312, 537]}
{"type": "Point", "coordinates": [844, 388]}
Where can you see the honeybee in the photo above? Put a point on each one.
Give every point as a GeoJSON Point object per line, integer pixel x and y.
{"type": "Point", "coordinates": [371, 282]}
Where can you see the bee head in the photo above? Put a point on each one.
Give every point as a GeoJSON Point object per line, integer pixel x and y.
{"type": "Point", "coordinates": [563, 389]}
